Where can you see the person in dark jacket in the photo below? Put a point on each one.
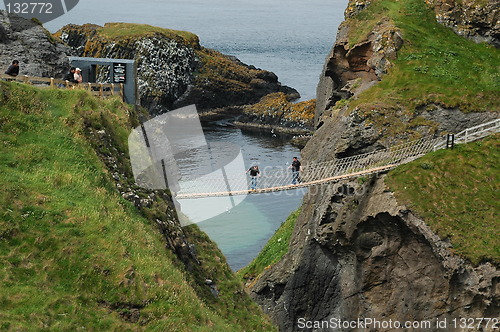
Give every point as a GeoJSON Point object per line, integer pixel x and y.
{"type": "Point", "coordinates": [70, 76]}
{"type": "Point", "coordinates": [13, 69]}
{"type": "Point", "coordinates": [254, 173]}
{"type": "Point", "coordinates": [296, 168]}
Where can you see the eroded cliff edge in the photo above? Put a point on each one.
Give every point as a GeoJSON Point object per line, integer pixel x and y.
{"type": "Point", "coordinates": [394, 74]}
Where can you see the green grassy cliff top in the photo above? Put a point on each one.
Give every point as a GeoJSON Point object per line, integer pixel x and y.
{"type": "Point", "coordinates": [113, 31]}
{"type": "Point", "coordinates": [434, 65]}
{"type": "Point", "coordinates": [457, 193]}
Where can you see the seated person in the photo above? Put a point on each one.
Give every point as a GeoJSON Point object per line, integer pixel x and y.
{"type": "Point", "coordinates": [13, 69]}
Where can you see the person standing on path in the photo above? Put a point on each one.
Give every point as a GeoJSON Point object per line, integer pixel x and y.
{"type": "Point", "coordinates": [70, 76]}
{"type": "Point", "coordinates": [295, 166]}
{"type": "Point", "coordinates": [254, 173]}
{"type": "Point", "coordinates": [78, 75]}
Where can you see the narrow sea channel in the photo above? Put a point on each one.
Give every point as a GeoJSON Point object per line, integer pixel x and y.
{"type": "Point", "coordinates": [242, 231]}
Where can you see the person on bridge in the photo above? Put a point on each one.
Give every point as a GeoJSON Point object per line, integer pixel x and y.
{"type": "Point", "coordinates": [295, 166]}
{"type": "Point", "coordinates": [13, 69]}
{"type": "Point", "coordinates": [254, 173]}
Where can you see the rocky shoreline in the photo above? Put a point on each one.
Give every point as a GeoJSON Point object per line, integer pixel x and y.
{"type": "Point", "coordinates": [297, 136]}
{"type": "Point", "coordinates": [274, 114]}
{"type": "Point", "coordinates": [277, 114]}
{"type": "Point", "coordinates": [278, 130]}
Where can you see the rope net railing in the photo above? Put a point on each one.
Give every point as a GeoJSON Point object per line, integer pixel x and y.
{"type": "Point", "coordinates": [222, 183]}
{"type": "Point", "coordinates": [282, 178]}
{"type": "Point", "coordinates": [472, 133]}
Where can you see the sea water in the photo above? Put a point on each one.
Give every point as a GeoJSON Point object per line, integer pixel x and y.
{"type": "Point", "coordinates": [242, 231]}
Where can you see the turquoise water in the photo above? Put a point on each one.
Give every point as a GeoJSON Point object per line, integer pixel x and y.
{"type": "Point", "coordinates": [242, 231]}
{"type": "Point", "coordinates": [290, 38]}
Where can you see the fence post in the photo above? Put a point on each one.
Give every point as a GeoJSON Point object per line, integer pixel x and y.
{"type": "Point", "coordinates": [466, 135]}
{"type": "Point", "coordinates": [100, 90]}
{"type": "Point", "coordinates": [122, 93]}
{"type": "Point", "coordinates": [112, 89]}
{"type": "Point", "coordinates": [25, 79]}
{"type": "Point", "coordinates": [51, 82]}
{"type": "Point", "coordinates": [450, 141]}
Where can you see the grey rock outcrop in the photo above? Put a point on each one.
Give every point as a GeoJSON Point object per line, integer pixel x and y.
{"type": "Point", "coordinates": [358, 253]}
{"type": "Point", "coordinates": [476, 20]}
{"type": "Point", "coordinates": [346, 133]}
{"type": "Point", "coordinates": [38, 52]}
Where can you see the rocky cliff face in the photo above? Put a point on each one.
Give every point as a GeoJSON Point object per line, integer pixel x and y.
{"type": "Point", "coordinates": [345, 133]}
{"type": "Point", "coordinates": [38, 52]}
{"type": "Point", "coordinates": [173, 69]}
{"type": "Point", "coordinates": [477, 20]}
{"type": "Point", "coordinates": [358, 62]}
{"type": "Point", "coordinates": [357, 253]}
{"type": "Point", "coordinates": [351, 68]}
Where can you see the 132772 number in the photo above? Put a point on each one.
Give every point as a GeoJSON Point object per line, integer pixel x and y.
{"type": "Point", "coordinates": [475, 323]}
{"type": "Point", "coordinates": [29, 8]}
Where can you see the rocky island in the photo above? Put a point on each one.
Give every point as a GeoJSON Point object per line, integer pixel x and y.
{"type": "Point", "coordinates": [173, 69]}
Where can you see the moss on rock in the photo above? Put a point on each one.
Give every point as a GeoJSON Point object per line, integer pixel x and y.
{"type": "Point", "coordinates": [277, 109]}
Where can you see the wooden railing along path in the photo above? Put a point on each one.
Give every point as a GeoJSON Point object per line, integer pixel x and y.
{"type": "Point", "coordinates": [102, 90]}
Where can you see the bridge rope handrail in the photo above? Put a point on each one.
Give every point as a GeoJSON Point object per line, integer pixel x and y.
{"type": "Point", "coordinates": [313, 173]}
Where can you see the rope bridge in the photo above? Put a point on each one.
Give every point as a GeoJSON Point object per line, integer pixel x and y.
{"type": "Point", "coordinates": [274, 179]}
